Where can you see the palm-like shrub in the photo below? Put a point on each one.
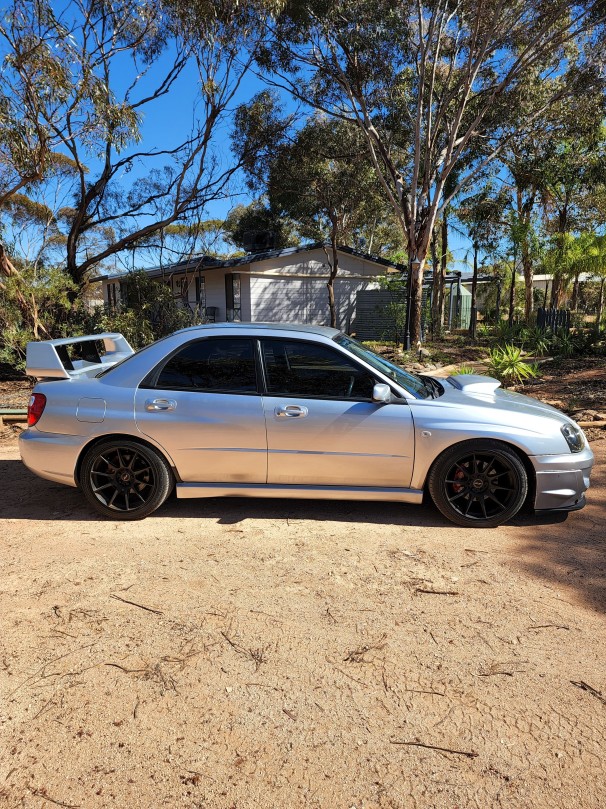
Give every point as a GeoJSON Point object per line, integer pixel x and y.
{"type": "Point", "coordinates": [507, 365]}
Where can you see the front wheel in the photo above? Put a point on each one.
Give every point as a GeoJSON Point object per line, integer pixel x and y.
{"type": "Point", "coordinates": [479, 484]}
{"type": "Point", "coordinates": [125, 480]}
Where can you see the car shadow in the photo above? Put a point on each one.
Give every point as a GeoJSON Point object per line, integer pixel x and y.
{"type": "Point", "coordinates": [27, 497]}
{"type": "Point", "coordinates": [571, 558]}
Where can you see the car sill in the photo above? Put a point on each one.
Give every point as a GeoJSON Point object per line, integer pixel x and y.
{"type": "Point", "coordinates": [186, 490]}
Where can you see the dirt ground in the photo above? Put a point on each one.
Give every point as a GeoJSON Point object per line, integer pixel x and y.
{"type": "Point", "coordinates": [255, 654]}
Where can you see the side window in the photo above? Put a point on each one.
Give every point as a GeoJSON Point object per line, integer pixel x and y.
{"type": "Point", "coordinates": [307, 369]}
{"type": "Point", "coordinates": [223, 365]}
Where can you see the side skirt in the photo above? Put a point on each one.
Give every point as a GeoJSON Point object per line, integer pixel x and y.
{"type": "Point", "coordinates": [186, 490]}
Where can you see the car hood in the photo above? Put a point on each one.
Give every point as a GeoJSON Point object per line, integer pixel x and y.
{"type": "Point", "coordinates": [485, 389]}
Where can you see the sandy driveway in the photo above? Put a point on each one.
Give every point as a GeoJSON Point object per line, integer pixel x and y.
{"type": "Point", "coordinates": [239, 654]}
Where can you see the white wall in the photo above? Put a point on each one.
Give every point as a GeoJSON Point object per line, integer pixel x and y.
{"type": "Point", "coordinates": [303, 300]}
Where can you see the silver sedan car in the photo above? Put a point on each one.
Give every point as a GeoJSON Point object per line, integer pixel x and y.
{"type": "Point", "coordinates": [268, 410]}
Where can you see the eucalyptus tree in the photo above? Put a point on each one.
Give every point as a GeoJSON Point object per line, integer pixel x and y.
{"type": "Point", "coordinates": [570, 175]}
{"type": "Point", "coordinates": [431, 83]}
{"type": "Point", "coordinates": [79, 79]}
{"type": "Point", "coordinates": [245, 223]}
{"type": "Point", "coordinates": [320, 178]}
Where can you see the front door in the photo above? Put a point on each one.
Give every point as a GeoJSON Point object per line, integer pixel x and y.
{"type": "Point", "coordinates": [323, 427]}
{"type": "Point", "coordinates": [203, 406]}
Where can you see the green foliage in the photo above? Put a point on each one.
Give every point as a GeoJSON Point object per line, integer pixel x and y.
{"type": "Point", "coordinates": [535, 341]}
{"type": "Point", "coordinates": [147, 312]}
{"type": "Point", "coordinates": [464, 369]}
{"type": "Point", "coordinates": [49, 308]}
{"type": "Point", "coordinates": [507, 365]}
{"type": "Point", "coordinates": [245, 220]}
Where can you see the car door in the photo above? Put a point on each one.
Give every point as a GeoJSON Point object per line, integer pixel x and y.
{"type": "Point", "coordinates": [323, 427]}
{"type": "Point", "coordinates": [203, 405]}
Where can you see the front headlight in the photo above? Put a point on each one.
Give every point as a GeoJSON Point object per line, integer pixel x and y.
{"type": "Point", "coordinates": [574, 437]}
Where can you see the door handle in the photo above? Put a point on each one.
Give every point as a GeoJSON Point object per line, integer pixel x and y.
{"type": "Point", "coordinates": [153, 405]}
{"type": "Point", "coordinates": [291, 411]}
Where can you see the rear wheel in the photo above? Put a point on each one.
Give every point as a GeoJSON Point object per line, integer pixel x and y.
{"type": "Point", "coordinates": [480, 484]}
{"type": "Point", "coordinates": [125, 480]}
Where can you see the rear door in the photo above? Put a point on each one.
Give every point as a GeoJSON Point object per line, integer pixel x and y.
{"type": "Point", "coordinates": [204, 407]}
{"type": "Point", "coordinates": [323, 427]}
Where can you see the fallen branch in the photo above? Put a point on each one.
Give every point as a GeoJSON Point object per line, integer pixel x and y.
{"type": "Point", "coordinates": [42, 793]}
{"type": "Point", "coordinates": [597, 694]}
{"type": "Point", "coordinates": [127, 671]}
{"type": "Point", "coordinates": [134, 604]}
{"type": "Point", "coordinates": [437, 592]}
{"type": "Point", "coordinates": [549, 626]}
{"type": "Point", "coordinates": [469, 754]}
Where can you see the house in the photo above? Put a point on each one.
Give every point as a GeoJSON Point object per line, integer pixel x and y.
{"type": "Point", "coordinates": [287, 286]}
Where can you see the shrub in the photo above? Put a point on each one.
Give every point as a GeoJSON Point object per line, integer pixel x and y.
{"type": "Point", "coordinates": [507, 365]}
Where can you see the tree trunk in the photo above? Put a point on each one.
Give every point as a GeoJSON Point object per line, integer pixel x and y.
{"type": "Point", "coordinates": [556, 291]}
{"type": "Point", "coordinates": [435, 291]}
{"type": "Point", "coordinates": [443, 265]}
{"type": "Point", "coordinates": [334, 269]}
{"type": "Point", "coordinates": [600, 305]}
{"type": "Point", "coordinates": [473, 320]}
{"type": "Point", "coordinates": [528, 281]}
{"type": "Point", "coordinates": [28, 308]}
{"type": "Point", "coordinates": [416, 293]}
{"type": "Point", "coordinates": [512, 288]}
{"type": "Point", "coordinates": [439, 271]}
{"type": "Point", "coordinates": [575, 294]}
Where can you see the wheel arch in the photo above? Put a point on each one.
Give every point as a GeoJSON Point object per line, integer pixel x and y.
{"type": "Point", "coordinates": [522, 455]}
{"type": "Point", "coordinates": [100, 439]}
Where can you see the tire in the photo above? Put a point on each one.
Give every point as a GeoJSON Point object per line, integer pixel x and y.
{"type": "Point", "coordinates": [125, 480]}
{"type": "Point", "coordinates": [478, 484]}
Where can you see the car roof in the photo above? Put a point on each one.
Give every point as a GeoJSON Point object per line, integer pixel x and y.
{"type": "Point", "coordinates": [308, 328]}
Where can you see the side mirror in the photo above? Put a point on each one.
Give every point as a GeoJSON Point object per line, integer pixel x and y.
{"type": "Point", "coordinates": [381, 393]}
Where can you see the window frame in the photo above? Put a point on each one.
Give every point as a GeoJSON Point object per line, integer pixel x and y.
{"type": "Point", "coordinates": [319, 397]}
{"type": "Point", "coordinates": [149, 382]}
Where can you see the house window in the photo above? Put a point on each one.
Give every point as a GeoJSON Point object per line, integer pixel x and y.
{"type": "Point", "coordinates": [233, 300]}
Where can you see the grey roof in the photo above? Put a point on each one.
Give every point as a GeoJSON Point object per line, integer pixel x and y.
{"type": "Point", "coordinates": [210, 262]}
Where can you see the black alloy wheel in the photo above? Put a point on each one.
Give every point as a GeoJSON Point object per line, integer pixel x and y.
{"type": "Point", "coordinates": [125, 480]}
{"type": "Point", "coordinates": [479, 484]}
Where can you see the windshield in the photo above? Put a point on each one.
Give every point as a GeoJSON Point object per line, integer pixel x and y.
{"type": "Point", "coordinates": [413, 384]}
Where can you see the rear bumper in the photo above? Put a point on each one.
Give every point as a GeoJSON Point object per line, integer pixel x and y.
{"type": "Point", "coordinates": [562, 480]}
{"type": "Point", "coordinates": [52, 456]}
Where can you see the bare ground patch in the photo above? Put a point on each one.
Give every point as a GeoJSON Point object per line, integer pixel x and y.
{"type": "Point", "coordinates": [288, 654]}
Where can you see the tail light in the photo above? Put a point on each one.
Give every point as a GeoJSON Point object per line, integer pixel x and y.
{"type": "Point", "coordinates": [35, 409]}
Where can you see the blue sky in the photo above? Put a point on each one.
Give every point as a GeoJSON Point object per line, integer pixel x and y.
{"type": "Point", "coordinates": [168, 120]}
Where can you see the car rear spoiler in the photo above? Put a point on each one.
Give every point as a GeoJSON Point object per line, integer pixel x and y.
{"type": "Point", "coordinates": [88, 355]}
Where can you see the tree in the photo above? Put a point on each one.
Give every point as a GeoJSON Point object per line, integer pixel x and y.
{"type": "Point", "coordinates": [80, 79]}
{"type": "Point", "coordinates": [572, 170]}
{"type": "Point", "coordinates": [434, 86]}
{"type": "Point", "coordinates": [318, 178]}
{"type": "Point", "coordinates": [244, 223]}
{"type": "Point", "coordinates": [482, 214]}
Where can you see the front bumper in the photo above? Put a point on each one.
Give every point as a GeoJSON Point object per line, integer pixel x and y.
{"type": "Point", "coordinates": [562, 480]}
{"type": "Point", "coordinates": [52, 456]}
